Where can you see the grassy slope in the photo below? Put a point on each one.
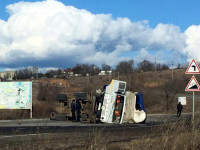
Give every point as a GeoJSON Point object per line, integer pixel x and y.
{"type": "Point", "coordinates": [154, 86]}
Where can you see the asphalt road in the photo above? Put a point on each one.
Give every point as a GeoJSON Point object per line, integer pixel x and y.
{"type": "Point", "coordinates": [77, 134]}
{"type": "Point", "coordinates": [30, 126]}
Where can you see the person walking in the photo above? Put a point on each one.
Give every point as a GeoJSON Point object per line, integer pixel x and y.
{"type": "Point", "coordinates": [179, 109]}
{"type": "Point", "coordinates": [78, 110]}
{"type": "Point", "coordinates": [73, 109]}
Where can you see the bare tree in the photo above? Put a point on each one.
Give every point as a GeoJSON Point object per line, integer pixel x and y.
{"type": "Point", "coordinates": [81, 69]}
{"type": "Point", "coordinates": [27, 73]}
{"type": "Point", "coordinates": [125, 67]}
{"type": "Point", "coordinates": [24, 73]}
{"type": "Point", "coordinates": [86, 68]}
{"type": "Point", "coordinates": [179, 66]}
{"type": "Point", "coordinates": [94, 70]}
{"type": "Point", "coordinates": [34, 69]}
{"type": "Point", "coordinates": [168, 92]}
{"type": "Point", "coordinates": [105, 67]}
{"type": "Point", "coordinates": [146, 65]}
{"type": "Point", "coordinates": [52, 73]}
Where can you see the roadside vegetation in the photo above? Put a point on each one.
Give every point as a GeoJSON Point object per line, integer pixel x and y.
{"type": "Point", "coordinates": [180, 135]}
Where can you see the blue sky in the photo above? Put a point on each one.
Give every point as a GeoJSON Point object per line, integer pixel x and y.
{"type": "Point", "coordinates": [159, 37]}
{"type": "Point", "coordinates": [182, 13]}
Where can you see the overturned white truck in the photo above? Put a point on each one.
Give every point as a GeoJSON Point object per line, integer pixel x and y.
{"type": "Point", "coordinates": [115, 105]}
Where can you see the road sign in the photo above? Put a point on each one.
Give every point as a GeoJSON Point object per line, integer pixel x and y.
{"type": "Point", "coordinates": [193, 68]}
{"type": "Point", "coordinates": [182, 100]}
{"type": "Point", "coordinates": [193, 85]}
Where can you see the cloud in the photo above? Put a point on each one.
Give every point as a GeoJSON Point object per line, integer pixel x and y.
{"type": "Point", "coordinates": [193, 45]}
{"type": "Point", "coordinates": [40, 70]}
{"type": "Point", "coordinates": [51, 34]}
{"type": "Point", "coordinates": [145, 55]}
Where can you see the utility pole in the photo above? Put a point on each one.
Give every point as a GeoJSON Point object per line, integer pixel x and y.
{"type": "Point", "coordinates": [172, 70]}
{"type": "Point", "coordinates": [118, 75]}
{"type": "Point", "coordinates": [155, 64]}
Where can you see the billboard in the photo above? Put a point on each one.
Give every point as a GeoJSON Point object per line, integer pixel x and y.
{"type": "Point", "coordinates": [15, 95]}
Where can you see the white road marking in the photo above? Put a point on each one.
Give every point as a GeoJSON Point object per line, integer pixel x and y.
{"type": "Point", "coordinates": [12, 136]}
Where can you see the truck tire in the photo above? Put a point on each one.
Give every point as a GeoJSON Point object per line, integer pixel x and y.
{"type": "Point", "coordinates": [53, 115]}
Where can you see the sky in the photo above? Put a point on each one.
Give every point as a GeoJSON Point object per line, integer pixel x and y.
{"type": "Point", "coordinates": [61, 34]}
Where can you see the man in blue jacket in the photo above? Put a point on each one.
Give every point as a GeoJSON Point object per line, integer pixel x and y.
{"type": "Point", "coordinates": [73, 109]}
{"type": "Point", "coordinates": [78, 110]}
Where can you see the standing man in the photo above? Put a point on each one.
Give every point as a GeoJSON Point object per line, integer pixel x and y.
{"type": "Point", "coordinates": [179, 109]}
{"type": "Point", "coordinates": [73, 109]}
{"type": "Point", "coordinates": [78, 110]}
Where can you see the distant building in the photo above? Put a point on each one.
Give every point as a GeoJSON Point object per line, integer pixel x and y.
{"type": "Point", "coordinates": [7, 75]}
{"type": "Point", "coordinates": [69, 72]}
{"type": "Point", "coordinates": [77, 75]}
{"type": "Point", "coordinates": [103, 73]}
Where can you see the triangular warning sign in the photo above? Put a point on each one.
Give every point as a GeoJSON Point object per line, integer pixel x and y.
{"type": "Point", "coordinates": [193, 68]}
{"type": "Point", "coordinates": [193, 85]}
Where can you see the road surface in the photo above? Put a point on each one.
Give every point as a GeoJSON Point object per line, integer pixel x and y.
{"type": "Point", "coordinates": [77, 134]}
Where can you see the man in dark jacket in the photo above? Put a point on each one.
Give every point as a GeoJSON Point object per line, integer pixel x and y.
{"type": "Point", "coordinates": [78, 110]}
{"type": "Point", "coordinates": [179, 109]}
{"type": "Point", "coordinates": [73, 109]}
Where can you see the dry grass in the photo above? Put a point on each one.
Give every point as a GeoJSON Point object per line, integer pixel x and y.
{"type": "Point", "coordinates": [13, 114]}
{"type": "Point", "coordinates": [181, 135]}
{"type": "Point", "coordinates": [175, 136]}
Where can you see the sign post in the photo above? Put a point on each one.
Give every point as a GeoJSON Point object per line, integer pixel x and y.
{"type": "Point", "coordinates": [193, 85]}
{"type": "Point", "coordinates": [193, 107]}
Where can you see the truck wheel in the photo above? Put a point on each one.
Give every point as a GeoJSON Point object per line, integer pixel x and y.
{"type": "Point", "coordinates": [52, 115]}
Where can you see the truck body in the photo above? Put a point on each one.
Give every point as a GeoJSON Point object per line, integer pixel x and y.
{"type": "Point", "coordinates": [119, 106]}
{"type": "Point", "coordinates": [110, 105]}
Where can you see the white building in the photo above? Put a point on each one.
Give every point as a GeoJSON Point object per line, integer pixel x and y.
{"type": "Point", "coordinates": [7, 75]}
{"type": "Point", "coordinates": [103, 73]}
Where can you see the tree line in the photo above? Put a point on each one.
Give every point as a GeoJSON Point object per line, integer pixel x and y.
{"type": "Point", "coordinates": [122, 68]}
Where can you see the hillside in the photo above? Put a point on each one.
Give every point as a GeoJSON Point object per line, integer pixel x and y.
{"type": "Point", "coordinates": [160, 92]}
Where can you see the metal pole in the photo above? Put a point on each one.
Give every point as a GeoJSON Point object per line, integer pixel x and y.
{"type": "Point", "coordinates": [172, 70]}
{"type": "Point", "coordinates": [193, 108]}
{"type": "Point", "coordinates": [118, 75]}
{"type": "Point", "coordinates": [31, 113]}
{"type": "Point", "coordinates": [31, 109]}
